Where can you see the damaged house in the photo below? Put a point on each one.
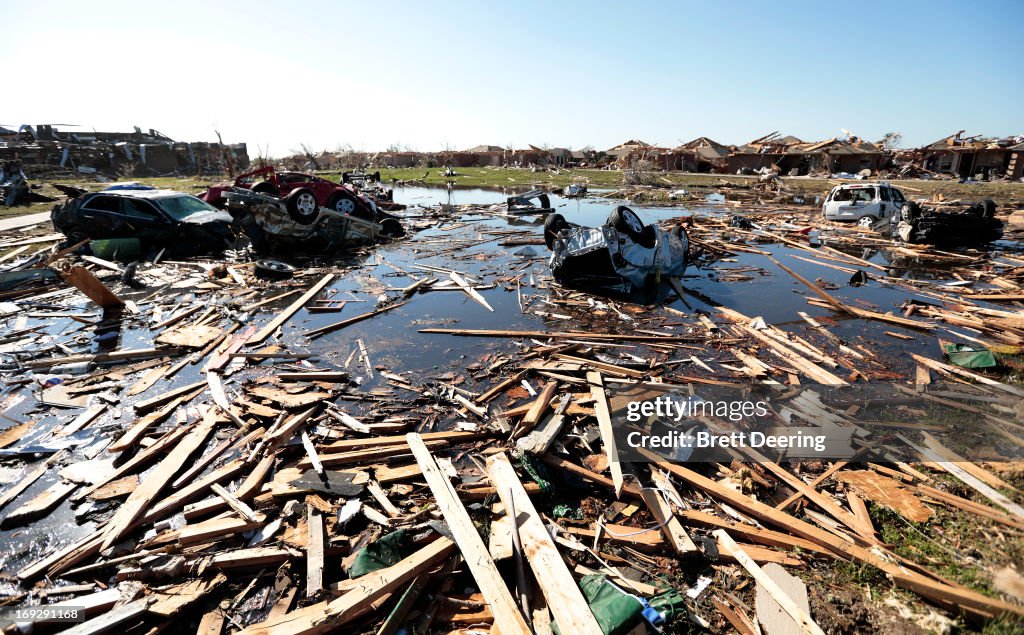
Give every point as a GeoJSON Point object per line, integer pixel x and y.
{"type": "Point", "coordinates": [134, 153]}
{"type": "Point", "coordinates": [699, 155]}
{"type": "Point", "coordinates": [975, 156]}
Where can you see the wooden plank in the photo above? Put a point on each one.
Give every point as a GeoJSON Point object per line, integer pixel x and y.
{"type": "Point", "coordinates": [803, 621]}
{"type": "Point", "coordinates": [670, 525]}
{"type": "Point", "coordinates": [40, 505]}
{"type": "Point", "coordinates": [539, 405]}
{"type": "Point", "coordinates": [30, 477]}
{"type": "Point", "coordinates": [83, 280]}
{"type": "Point", "coordinates": [927, 587]}
{"type": "Point", "coordinates": [506, 614]}
{"type": "Point", "coordinates": [771, 615]}
{"type": "Point", "coordinates": [144, 406]}
{"type": "Point", "coordinates": [556, 582]}
{"type": "Point", "coordinates": [314, 551]}
{"type": "Point", "coordinates": [604, 422]}
{"type": "Point", "coordinates": [285, 315]}
{"type": "Point", "coordinates": [111, 619]}
{"type": "Point", "coordinates": [470, 291]}
{"type": "Point", "coordinates": [238, 506]}
{"type": "Point", "coordinates": [323, 330]}
{"type": "Point", "coordinates": [155, 481]}
{"type": "Point", "coordinates": [324, 617]}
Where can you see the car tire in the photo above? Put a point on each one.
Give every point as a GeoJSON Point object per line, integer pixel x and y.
{"type": "Point", "coordinates": [391, 228]}
{"type": "Point", "coordinates": [343, 203]}
{"type": "Point", "coordinates": [626, 221]}
{"type": "Point", "coordinates": [867, 221]}
{"type": "Point", "coordinates": [273, 270]}
{"type": "Point", "coordinates": [266, 187]}
{"type": "Point", "coordinates": [302, 206]}
{"type": "Point", "coordinates": [909, 212]}
{"type": "Point", "coordinates": [988, 209]}
{"type": "Point", "coordinates": [553, 224]}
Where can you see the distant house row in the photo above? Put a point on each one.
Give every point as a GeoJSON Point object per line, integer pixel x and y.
{"type": "Point", "coordinates": [955, 155]}
{"type": "Point", "coordinates": [137, 153]}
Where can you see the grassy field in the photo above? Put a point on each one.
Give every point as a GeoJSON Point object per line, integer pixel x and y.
{"type": "Point", "coordinates": [1003, 193]}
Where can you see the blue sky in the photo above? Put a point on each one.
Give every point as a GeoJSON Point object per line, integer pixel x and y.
{"type": "Point", "coordinates": [455, 74]}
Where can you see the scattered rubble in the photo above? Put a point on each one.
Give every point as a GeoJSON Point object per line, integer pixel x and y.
{"type": "Point", "coordinates": [203, 445]}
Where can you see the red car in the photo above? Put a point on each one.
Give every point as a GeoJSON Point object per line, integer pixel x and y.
{"type": "Point", "coordinates": [315, 193]}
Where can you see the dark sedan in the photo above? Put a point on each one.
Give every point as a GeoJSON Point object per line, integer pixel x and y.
{"type": "Point", "coordinates": [177, 221]}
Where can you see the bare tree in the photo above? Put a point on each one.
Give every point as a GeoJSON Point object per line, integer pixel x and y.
{"type": "Point", "coordinates": [891, 140]}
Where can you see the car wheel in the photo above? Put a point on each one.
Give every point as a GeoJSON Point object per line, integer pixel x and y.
{"type": "Point", "coordinates": [553, 224]}
{"type": "Point", "coordinates": [626, 221]}
{"type": "Point", "coordinates": [909, 212]}
{"type": "Point", "coordinates": [265, 187]}
{"type": "Point", "coordinates": [302, 206]}
{"type": "Point", "coordinates": [342, 202]}
{"type": "Point", "coordinates": [867, 221]}
{"type": "Point", "coordinates": [988, 209]}
{"type": "Point", "coordinates": [391, 228]}
{"type": "Point", "coordinates": [273, 269]}
{"type": "Point", "coordinates": [75, 236]}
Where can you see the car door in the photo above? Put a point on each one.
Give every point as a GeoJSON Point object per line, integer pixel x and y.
{"type": "Point", "coordinates": [885, 202]}
{"type": "Point", "coordinates": [141, 218]}
{"type": "Point", "coordinates": [99, 216]}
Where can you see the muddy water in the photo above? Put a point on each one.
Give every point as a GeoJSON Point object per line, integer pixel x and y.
{"type": "Point", "coordinates": [750, 284]}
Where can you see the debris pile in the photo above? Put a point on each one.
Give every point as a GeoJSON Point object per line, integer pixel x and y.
{"type": "Point", "coordinates": [194, 446]}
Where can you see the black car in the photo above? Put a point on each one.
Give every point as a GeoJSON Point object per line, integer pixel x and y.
{"type": "Point", "coordinates": [179, 222]}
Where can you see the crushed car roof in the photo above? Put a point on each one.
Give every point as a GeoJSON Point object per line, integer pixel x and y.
{"type": "Point", "coordinates": [143, 193]}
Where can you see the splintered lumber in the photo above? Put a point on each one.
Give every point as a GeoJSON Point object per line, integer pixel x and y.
{"type": "Point", "coordinates": [221, 399]}
{"type": "Point", "coordinates": [541, 438]}
{"type": "Point", "coordinates": [40, 505]}
{"type": "Point", "coordinates": [83, 280]}
{"type": "Point", "coordinates": [563, 595]}
{"type": "Point", "coordinates": [30, 477]}
{"type": "Point", "coordinates": [506, 614]}
{"type": "Point", "coordinates": [156, 480]}
{"type": "Point", "coordinates": [799, 615]}
{"type": "Point", "coordinates": [470, 291]}
{"type": "Point", "coordinates": [578, 470]}
{"type": "Point", "coordinates": [540, 404]}
{"type": "Point", "coordinates": [314, 551]}
{"type": "Point", "coordinates": [886, 492]}
{"type": "Point", "coordinates": [956, 370]}
{"type": "Point", "coordinates": [632, 337]}
{"type": "Point", "coordinates": [146, 405]}
{"type": "Point", "coordinates": [285, 315]}
{"type": "Point", "coordinates": [670, 525]}
{"type": "Point", "coordinates": [928, 587]}
{"type": "Point", "coordinates": [604, 422]}
{"type": "Point", "coordinates": [110, 619]}
{"type": "Point", "coordinates": [238, 506]}
{"type": "Point", "coordinates": [170, 600]}
{"type": "Point", "coordinates": [969, 479]}
{"type": "Point", "coordinates": [326, 616]}
{"type": "Point", "coordinates": [323, 330]}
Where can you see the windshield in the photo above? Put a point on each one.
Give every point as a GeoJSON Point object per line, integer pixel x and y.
{"type": "Point", "coordinates": [181, 207]}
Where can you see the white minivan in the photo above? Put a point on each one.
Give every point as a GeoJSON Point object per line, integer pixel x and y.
{"type": "Point", "coordinates": [854, 201]}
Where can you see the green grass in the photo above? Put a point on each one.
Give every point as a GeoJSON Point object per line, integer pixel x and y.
{"type": "Point", "coordinates": [1003, 193]}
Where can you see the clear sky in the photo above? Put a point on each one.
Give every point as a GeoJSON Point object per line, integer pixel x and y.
{"type": "Point", "coordinates": [430, 75]}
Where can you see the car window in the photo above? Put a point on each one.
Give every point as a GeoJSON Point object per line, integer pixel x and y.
{"type": "Point", "coordinates": [181, 207]}
{"type": "Point", "coordinates": [897, 196]}
{"type": "Point", "coordinates": [139, 209]}
{"type": "Point", "coordinates": [104, 203]}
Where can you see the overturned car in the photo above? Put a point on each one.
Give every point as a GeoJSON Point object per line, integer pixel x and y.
{"type": "Point", "coordinates": [952, 225]}
{"type": "Point", "coordinates": [623, 255]}
{"type": "Point", "coordinates": [273, 223]}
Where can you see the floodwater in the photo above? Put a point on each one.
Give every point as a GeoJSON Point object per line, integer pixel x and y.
{"type": "Point", "coordinates": [470, 244]}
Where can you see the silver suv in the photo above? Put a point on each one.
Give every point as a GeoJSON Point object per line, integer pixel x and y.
{"type": "Point", "coordinates": [854, 201]}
